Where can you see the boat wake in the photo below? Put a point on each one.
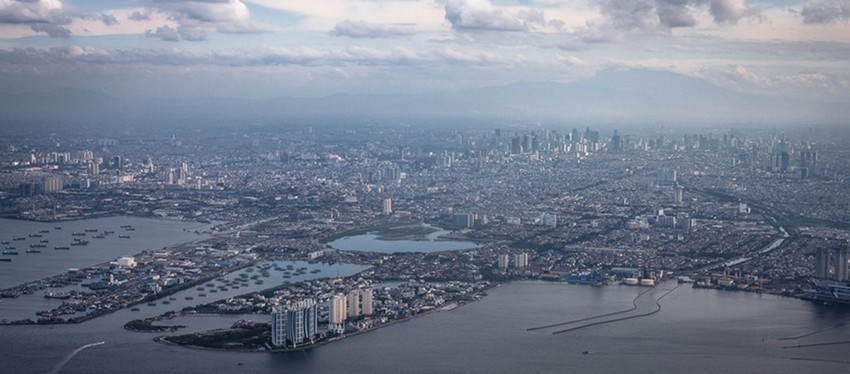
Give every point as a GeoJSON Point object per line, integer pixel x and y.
{"type": "Point", "coordinates": [657, 309]}
{"type": "Point", "coordinates": [634, 306]}
{"type": "Point", "coordinates": [67, 358]}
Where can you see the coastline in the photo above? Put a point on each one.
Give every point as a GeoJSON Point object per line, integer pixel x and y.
{"type": "Point", "coordinates": [448, 307]}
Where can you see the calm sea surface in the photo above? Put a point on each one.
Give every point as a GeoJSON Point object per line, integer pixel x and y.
{"type": "Point", "coordinates": [696, 331]}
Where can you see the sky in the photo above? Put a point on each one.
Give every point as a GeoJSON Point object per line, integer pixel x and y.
{"type": "Point", "coordinates": [309, 48]}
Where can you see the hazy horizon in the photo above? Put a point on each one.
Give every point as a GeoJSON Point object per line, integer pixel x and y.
{"type": "Point", "coordinates": [780, 61]}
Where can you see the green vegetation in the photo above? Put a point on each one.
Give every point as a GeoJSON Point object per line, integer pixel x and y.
{"type": "Point", "coordinates": [146, 325]}
{"type": "Point", "coordinates": [254, 337]}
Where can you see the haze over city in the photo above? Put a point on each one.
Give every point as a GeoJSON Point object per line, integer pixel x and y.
{"type": "Point", "coordinates": [424, 186]}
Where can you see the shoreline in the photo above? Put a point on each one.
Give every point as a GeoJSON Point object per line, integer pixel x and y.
{"type": "Point", "coordinates": [448, 307]}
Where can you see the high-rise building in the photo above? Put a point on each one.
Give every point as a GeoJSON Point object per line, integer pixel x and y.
{"type": "Point", "coordinates": [295, 324]}
{"type": "Point", "coordinates": [360, 302]}
{"type": "Point", "coordinates": [616, 144]}
{"type": "Point", "coordinates": [504, 261]}
{"type": "Point", "coordinates": [463, 220]}
{"type": "Point", "coordinates": [521, 260]}
{"type": "Point", "coordinates": [51, 184]}
{"type": "Point", "coordinates": [822, 264]}
{"type": "Point", "coordinates": [337, 313]}
{"type": "Point", "coordinates": [93, 168]}
{"type": "Point", "coordinates": [678, 194]}
{"type": "Point", "coordinates": [366, 306]}
{"type": "Point", "coordinates": [387, 206]}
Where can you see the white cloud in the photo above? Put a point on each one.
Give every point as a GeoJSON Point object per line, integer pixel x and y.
{"type": "Point", "coordinates": [483, 15]}
{"type": "Point", "coordinates": [363, 29]}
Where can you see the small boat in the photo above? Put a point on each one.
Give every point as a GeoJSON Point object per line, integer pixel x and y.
{"type": "Point", "coordinates": [98, 237]}
{"type": "Point", "coordinates": [107, 232]}
{"type": "Point", "coordinates": [130, 229]}
{"type": "Point", "coordinates": [35, 235]}
{"type": "Point", "coordinates": [58, 228]}
{"type": "Point", "coordinates": [33, 251]}
{"type": "Point", "coordinates": [44, 231]}
{"type": "Point", "coordinates": [19, 238]}
{"type": "Point", "coordinates": [10, 252]}
{"type": "Point", "coordinates": [44, 241]}
{"type": "Point", "coordinates": [6, 259]}
{"type": "Point", "coordinates": [124, 236]}
{"type": "Point", "coordinates": [90, 230]}
{"type": "Point", "coordinates": [61, 248]}
{"type": "Point", "coordinates": [189, 298]}
{"type": "Point", "coordinates": [38, 246]}
{"type": "Point", "coordinates": [78, 234]}
{"type": "Point", "coordinates": [4, 242]}
{"type": "Point", "coordinates": [134, 309]}
{"type": "Point", "coordinates": [57, 295]}
{"type": "Point", "coordinates": [166, 302]}
{"type": "Point", "coordinates": [10, 247]}
{"type": "Point", "coordinates": [82, 242]}
{"type": "Point", "coordinates": [151, 304]}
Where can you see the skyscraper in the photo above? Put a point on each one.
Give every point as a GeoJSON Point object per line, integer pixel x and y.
{"type": "Point", "coordinates": [337, 313]}
{"type": "Point", "coordinates": [503, 261]}
{"type": "Point", "coordinates": [360, 302]}
{"type": "Point", "coordinates": [295, 324]}
{"type": "Point", "coordinates": [678, 194]}
{"type": "Point", "coordinates": [387, 206]}
{"type": "Point", "coordinates": [521, 260]}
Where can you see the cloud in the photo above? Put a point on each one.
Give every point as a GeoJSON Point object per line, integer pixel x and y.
{"type": "Point", "coordinates": [741, 78]}
{"type": "Point", "coordinates": [139, 16]}
{"type": "Point", "coordinates": [294, 56]}
{"type": "Point", "coordinates": [483, 15]}
{"type": "Point", "coordinates": [228, 16]}
{"type": "Point", "coordinates": [195, 18]}
{"type": "Point", "coordinates": [172, 34]}
{"type": "Point", "coordinates": [108, 19]}
{"type": "Point", "coordinates": [825, 11]}
{"type": "Point", "coordinates": [166, 33]}
{"type": "Point", "coordinates": [623, 17]}
{"type": "Point", "coordinates": [363, 29]}
{"type": "Point", "coordinates": [731, 11]}
{"type": "Point", "coordinates": [43, 16]}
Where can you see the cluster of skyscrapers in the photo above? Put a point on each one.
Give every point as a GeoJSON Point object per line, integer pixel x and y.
{"type": "Point", "coordinates": [297, 322]}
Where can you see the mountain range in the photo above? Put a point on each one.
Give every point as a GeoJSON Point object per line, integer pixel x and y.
{"type": "Point", "coordinates": [637, 95]}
